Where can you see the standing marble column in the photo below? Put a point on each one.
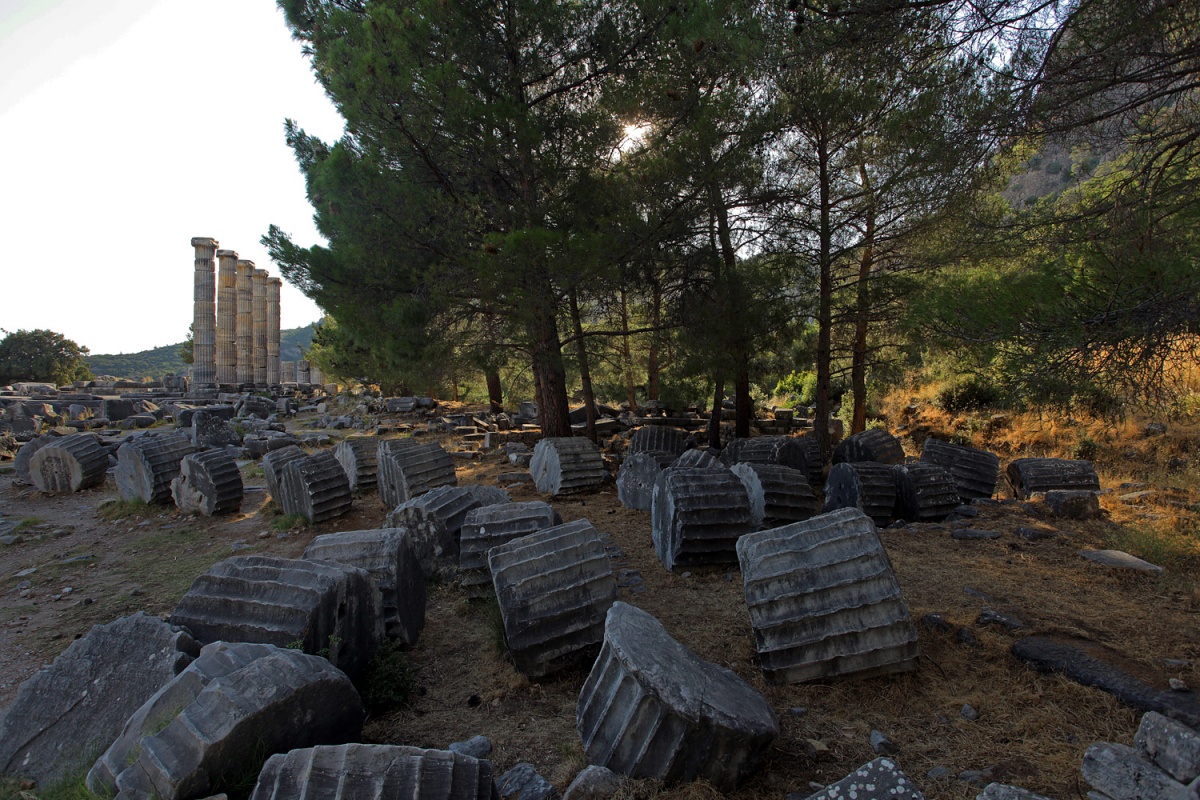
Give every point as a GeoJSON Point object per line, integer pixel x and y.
{"type": "Point", "coordinates": [204, 315]}
{"type": "Point", "coordinates": [302, 373]}
{"type": "Point", "coordinates": [273, 286]}
{"type": "Point", "coordinates": [287, 371]}
{"type": "Point", "coordinates": [259, 324]}
{"type": "Point", "coordinates": [245, 321]}
{"type": "Point", "coordinates": [227, 318]}
{"type": "Point", "coordinates": [316, 376]}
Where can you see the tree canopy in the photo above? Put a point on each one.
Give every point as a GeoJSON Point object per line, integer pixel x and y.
{"type": "Point", "coordinates": [41, 355]}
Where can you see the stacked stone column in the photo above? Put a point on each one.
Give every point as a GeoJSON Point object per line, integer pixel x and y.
{"type": "Point", "coordinates": [245, 321]}
{"type": "Point", "coordinates": [287, 371]}
{"type": "Point", "coordinates": [302, 372]}
{"type": "Point", "coordinates": [227, 318]}
{"type": "Point", "coordinates": [273, 286]}
{"type": "Point", "coordinates": [204, 319]}
{"type": "Point", "coordinates": [259, 327]}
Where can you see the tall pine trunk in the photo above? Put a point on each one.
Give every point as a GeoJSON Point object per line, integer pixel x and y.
{"type": "Point", "coordinates": [714, 420]}
{"type": "Point", "coordinates": [495, 393]}
{"type": "Point", "coordinates": [824, 306]}
{"type": "Point", "coordinates": [585, 373]}
{"type": "Point", "coordinates": [626, 353]}
{"type": "Point", "coordinates": [549, 375]}
{"type": "Point", "coordinates": [862, 310]}
{"type": "Point", "coordinates": [652, 366]}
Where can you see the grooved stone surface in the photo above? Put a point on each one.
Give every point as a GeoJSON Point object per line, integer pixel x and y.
{"type": "Point", "coordinates": [778, 494]}
{"type": "Point", "coordinates": [73, 709]}
{"type": "Point", "coordinates": [488, 526]}
{"type": "Point", "coordinates": [374, 772]}
{"type": "Point", "coordinates": [326, 608]}
{"type": "Point", "coordinates": [867, 486]}
{"type": "Point", "coordinates": [696, 459]}
{"type": "Point", "coordinates": [434, 521]}
{"type": "Point", "coordinates": [651, 708]}
{"type": "Point", "coordinates": [408, 468]}
{"type": "Point", "coordinates": [359, 457]}
{"type": "Point", "coordinates": [660, 439]}
{"type": "Point", "coordinates": [315, 487]}
{"type": "Point", "coordinates": [566, 465]}
{"type": "Point", "coordinates": [395, 572]}
{"type": "Point", "coordinates": [279, 701]}
{"type": "Point", "coordinates": [555, 588]}
{"type": "Point", "coordinates": [637, 476]}
{"type": "Point", "coordinates": [869, 445]}
{"type": "Point", "coordinates": [147, 465]}
{"type": "Point", "coordinates": [69, 464]}
{"type": "Point", "coordinates": [1172, 746]}
{"type": "Point", "coordinates": [215, 660]}
{"type": "Point", "coordinates": [209, 483]}
{"type": "Point", "coordinates": [25, 455]}
{"type": "Point", "coordinates": [273, 464]}
{"type": "Point", "coordinates": [824, 601]}
{"type": "Point", "coordinates": [786, 451]}
{"type": "Point", "coordinates": [1029, 475]}
{"type": "Point", "coordinates": [973, 471]}
{"type": "Point", "coordinates": [697, 516]}
{"type": "Point", "coordinates": [926, 493]}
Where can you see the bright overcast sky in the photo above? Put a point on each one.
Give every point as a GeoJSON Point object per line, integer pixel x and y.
{"type": "Point", "coordinates": [126, 128]}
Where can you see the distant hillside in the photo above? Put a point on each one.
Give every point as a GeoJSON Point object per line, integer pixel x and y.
{"type": "Point", "coordinates": [165, 360]}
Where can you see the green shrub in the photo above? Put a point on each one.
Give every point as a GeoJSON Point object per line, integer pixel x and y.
{"type": "Point", "coordinates": [802, 384]}
{"type": "Point", "coordinates": [389, 680]}
{"type": "Point", "coordinates": [973, 393]}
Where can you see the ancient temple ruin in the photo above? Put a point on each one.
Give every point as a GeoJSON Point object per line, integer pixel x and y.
{"type": "Point", "coordinates": [236, 325]}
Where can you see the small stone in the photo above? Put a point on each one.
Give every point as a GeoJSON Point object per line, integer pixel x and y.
{"type": "Point", "coordinates": [1034, 534]}
{"type": "Point", "coordinates": [523, 782]}
{"type": "Point", "coordinates": [976, 777]}
{"type": "Point", "coordinates": [594, 783]}
{"type": "Point", "coordinates": [476, 747]}
{"type": "Point", "coordinates": [968, 712]}
{"type": "Point", "coordinates": [882, 745]}
{"type": "Point", "coordinates": [991, 617]}
{"type": "Point", "coordinates": [966, 636]}
{"type": "Point", "coordinates": [966, 534]}
{"type": "Point", "coordinates": [937, 773]}
{"type": "Point", "coordinates": [936, 622]}
{"type": "Point", "coordinates": [1177, 685]}
{"type": "Point", "coordinates": [1119, 560]}
{"type": "Point", "coordinates": [797, 711]}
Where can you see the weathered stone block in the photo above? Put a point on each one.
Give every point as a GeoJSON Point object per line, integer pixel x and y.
{"type": "Point", "coordinates": [73, 709]}
{"type": "Point", "coordinates": [388, 558]}
{"type": "Point", "coordinates": [926, 493]}
{"type": "Point", "coordinates": [637, 476]}
{"type": "Point", "coordinates": [408, 468]}
{"type": "Point", "coordinates": [25, 455]}
{"type": "Point", "coordinates": [697, 516]}
{"type": "Point", "coordinates": [1073, 504]}
{"type": "Point", "coordinates": [209, 483]}
{"type": "Point", "coordinates": [210, 430]}
{"type": "Point", "coordinates": [1029, 475]}
{"type": "Point", "coordinates": [215, 660]}
{"type": "Point", "coordinates": [651, 708]}
{"type": "Point", "coordinates": [555, 587]}
{"type": "Point", "coordinates": [824, 601]}
{"type": "Point", "coordinates": [273, 464]}
{"type": "Point", "coordinates": [488, 526]}
{"type": "Point", "coordinates": [1120, 772]}
{"type": "Point", "coordinates": [315, 487]}
{"type": "Point", "coordinates": [869, 445]}
{"type": "Point", "coordinates": [785, 451]}
{"type": "Point", "coordinates": [660, 439]}
{"type": "Point", "coordinates": [697, 459]}
{"type": "Point", "coordinates": [325, 609]}
{"type": "Point", "coordinates": [68, 464]}
{"type": "Point", "coordinates": [359, 457]}
{"type": "Point", "coordinates": [374, 772]}
{"type": "Point", "coordinates": [778, 494]}
{"type": "Point", "coordinates": [875, 780]}
{"type": "Point", "coordinates": [1172, 746]}
{"type": "Point", "coordinates": [147, 465]}
{"type": "Point", "coordinates": [973, 471]}
{"type": "Point", "coordinates": [434, 521]}
{"type": "Point", "coordinates": [566, 465]}
{"type": "Point", "coordinates": [275, 703]}
{"type": "Point", "coordinates": [867, 486]}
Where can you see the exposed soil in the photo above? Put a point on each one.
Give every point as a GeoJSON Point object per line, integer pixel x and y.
{"type": "Point", "coordinates": [1031, 729]}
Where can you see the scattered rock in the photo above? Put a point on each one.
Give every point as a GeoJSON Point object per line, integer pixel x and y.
{"type": "Point", "coordinates": [1119, 560]}
{"type": "Point", "coordinates": [974, 534]}
{"type": "Point", "coordinates": [1006, 621]}
{"type": "Point", "coordinates": [968, 712]}
{"type": "Point", "coordinates": [882, 745]}
{"type": "Point", "coordinates": [880, 778]}
{"type": "Point", "coordinates": [523, 782]}
{"type": "Point", "coordinates": [594, 783]}
{"type": "Point", "coordinates": [476, 747]}
{"type": "Point", "coordinates": [1073, 504]}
